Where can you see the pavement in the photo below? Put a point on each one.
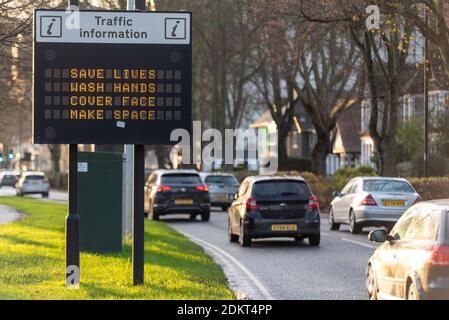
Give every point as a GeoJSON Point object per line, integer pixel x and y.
{"type": "Point", "coordinates": [8, 214]}
{"type": "Point", "coordinates": [54, 195]}
{"type": "Point", "coordinates": [281, 268]}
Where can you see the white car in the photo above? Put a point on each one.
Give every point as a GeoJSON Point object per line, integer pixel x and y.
{"type": "Point", "coordinates": [371, 201]}
{"type": "Point", "coordinates": [33, 182]}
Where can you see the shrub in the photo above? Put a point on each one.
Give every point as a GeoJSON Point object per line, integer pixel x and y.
{"type": "Point", "coordinates": [431, 188]}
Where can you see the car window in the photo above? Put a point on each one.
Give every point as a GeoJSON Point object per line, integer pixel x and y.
{"type": "Point", "coordinates": [281, 189]}
{"type": "Point", "coordinates": [353, 188]}
{"type": "Point", "coordinates": [423, 226]}
{"type": "Point", "coordinates": [34, 177]}
{"type": "Point", "coordinates": [216, 179]}
{"type": "Point", "coordinates": [400, 229]}
{"type": "Point", "coordinates": [347, 187]}
{"type": "Point", "coordinates": [379, 185]}
{"type": "Point", "coordinates": [178, 178]}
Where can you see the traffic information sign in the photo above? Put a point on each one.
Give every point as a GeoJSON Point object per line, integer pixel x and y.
{"type": "Point", "coordinates": [113, 78]}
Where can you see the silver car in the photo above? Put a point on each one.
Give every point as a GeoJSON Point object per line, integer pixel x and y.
{"type": "Point", "coordinates": [222, 188]}
{"type": "Point", "coordinates": [32, 182]}
{"type": "Point", "coordinates": [371, 201]}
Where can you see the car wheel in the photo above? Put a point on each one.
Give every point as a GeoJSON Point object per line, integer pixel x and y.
{"type": "Point", "coordinates": [244, 240]}
{"type": "Point", "coordinates": [315, 240]}
{"type": "Point", "coordinates": [205, 216]}
{"type": "Point", "coordinates": [332, 225]}
{"type": "Point", "coordinates": [232, 237]}
{"type": "Point", "coordinates": [412, 292]}
{"type": "Point", "coordinates": [45, 195]}
{"type": "Point", "coordinates": [372, 285]}
{"type": "Point", "coordinates": [354, 227]}
{"type": "Point", "coordinates": [154, 216]}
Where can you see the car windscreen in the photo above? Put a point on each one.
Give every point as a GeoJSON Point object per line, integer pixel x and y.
{"type": "Point", "coordinates": [281, 189]}
{"type": "Point", "coordinates": [394, 186]}
{"type": "Point", "coordinates": [178, 178]}
{"type": "Point", "coordinates": [228, 180]}
{"type": "Point", "coordinates": [34, 177]}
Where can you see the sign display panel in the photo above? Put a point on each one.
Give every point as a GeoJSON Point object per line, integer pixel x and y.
{"type": "Point", "coordinates": [111, 77]}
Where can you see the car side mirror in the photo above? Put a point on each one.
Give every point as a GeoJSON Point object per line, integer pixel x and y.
{"type": "Point", "coordinates": [378, 235]}
{"type": "Point", "coordinates": [336, 194]}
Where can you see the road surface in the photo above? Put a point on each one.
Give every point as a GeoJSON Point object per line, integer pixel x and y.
{"type": "Point", "coordinates": [55, 195]}
{"type": "Point", "coordinates": [281, 268]}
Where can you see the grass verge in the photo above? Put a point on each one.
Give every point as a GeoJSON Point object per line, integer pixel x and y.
{"type": "Point", "coordinates": [32, 262]}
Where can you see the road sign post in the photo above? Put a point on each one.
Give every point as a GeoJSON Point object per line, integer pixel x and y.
{"type": "Point", "coordinates": [117, 77]}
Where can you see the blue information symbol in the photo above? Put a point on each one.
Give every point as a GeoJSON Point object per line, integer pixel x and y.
{"type": "Point", "coordinates": [51, 27]}
{"type": "Point", "coordinates": [175, 28]}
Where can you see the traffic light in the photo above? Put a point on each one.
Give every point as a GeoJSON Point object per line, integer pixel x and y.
{"type": "Point", "coordinates": [11, 154]}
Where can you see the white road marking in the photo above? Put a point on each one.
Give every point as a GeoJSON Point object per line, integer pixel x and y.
{"type": "Point", "coordinates": [250, 275]}
{"type": "Point", "coordinates": [359, 243]}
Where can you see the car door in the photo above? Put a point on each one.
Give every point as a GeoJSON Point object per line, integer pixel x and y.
{"type": "Point", "coordinates": [338, 203]}
{"type": "Point", "coordinates": [237, 207]}
{"type": "Point", "coordinates": [346, 202]}
{"type": "Point", "coordinates": [419, 239]}
{"type": "Point", "coordinates": [386, 259]}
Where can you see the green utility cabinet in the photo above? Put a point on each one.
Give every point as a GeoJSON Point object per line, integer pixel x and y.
{"type": "Point", "coordinates": [100, 201]}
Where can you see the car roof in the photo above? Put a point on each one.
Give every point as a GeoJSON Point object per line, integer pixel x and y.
{"type": "Point", "coordinates": [255, 179]}
{"type": "Point", "coordinates": [176, 171]}
{"type": "Point", "coordinates": [382, 178]}
{"type": "Point", "coordinates": [33, 173]}
{"type": "Point", "coordinates": [207, 174]}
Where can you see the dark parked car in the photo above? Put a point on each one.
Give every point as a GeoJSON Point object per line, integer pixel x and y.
{"type": "Point", "coordinates": [268, 207]}
{"type": "Point", "coordinates": [413, 261]}
{"type": "Point", "coordinates": [9, 178]}
{"type": "Point", "coordinates": [176, 191]}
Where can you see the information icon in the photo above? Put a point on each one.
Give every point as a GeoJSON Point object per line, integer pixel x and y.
{"type": "Point", "coordinates": [51, 27]}
{"type": "Point", "coordinates": [175, 28]}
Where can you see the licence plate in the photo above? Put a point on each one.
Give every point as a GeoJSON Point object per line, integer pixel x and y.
{"type": "Point", "coordinates": [284, 227]}
{"type": "Point", "coordinates": [394, 203]}
{"type": "Point", "coordinates": [184, 201]}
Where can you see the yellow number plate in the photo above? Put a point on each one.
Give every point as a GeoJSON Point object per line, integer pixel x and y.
{"type": "Point", "coordinates": [284, 227]}
{"type": "Point", "coordinates": [394, 203]}
{"type": "Point", "coordinates": [184, 201]}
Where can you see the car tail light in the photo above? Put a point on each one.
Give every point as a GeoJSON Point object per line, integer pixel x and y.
{"type": "Point", "coordinates": [313, 203]}
{"type": "Point", "coordinates": [417, 200]}
{"type": "Point", "coordinates": [202, 188]}
{"type": "Point", "coordinates": [439, 256]}
{"type": "Point", "coordinates": [251, 204]}
{"type": "Point", "coordinates": [368, 201]}
{"type": "Point", "coordinates": [163, 188]}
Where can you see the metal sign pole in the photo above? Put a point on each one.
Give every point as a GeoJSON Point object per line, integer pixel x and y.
{"type": "Point", "coordinates": [138, 203]}
{"type": "Point", "coordinates": [73, 218]}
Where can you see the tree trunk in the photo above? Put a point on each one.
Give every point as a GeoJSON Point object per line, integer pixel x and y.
{"type": "Point", "coordinates": [282, 149]}
{"type": "Point", "coordinates": [320, 152]}
{"type": "Point", "coordinates": [55, 154]}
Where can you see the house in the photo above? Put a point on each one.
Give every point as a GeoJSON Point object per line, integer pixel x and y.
{"type": "Point", "coordinates": [346, 143]}
{"type": "Point", "coordinates": [302, 137]}
{"type": "Point", "coordinates": [411, 105]}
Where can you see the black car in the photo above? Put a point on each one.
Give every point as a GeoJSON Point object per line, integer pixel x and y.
{"type": "Point", "coordinates": [268, 207]}
{"type": "Point", "coordinates": [176, 191]}
{"type": "Point", "coordinates": [413, 261]}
